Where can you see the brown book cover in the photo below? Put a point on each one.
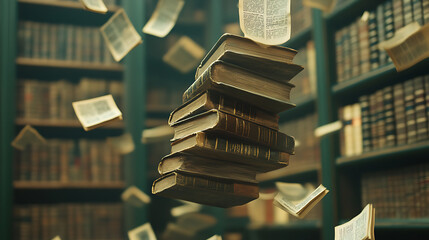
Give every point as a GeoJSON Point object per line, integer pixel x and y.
{"type": "Point", "coordinates": [274, 62]}
{"type": "Point", "coordinates": [215, 121]}
{"type": "Point", "coordinates": [264, 93]}
{"type": "Point", "coordinates": [187, 163]}
{"type": "Point", "coordinates": [203, 190]}
{"type": "Point", "coordinates": [214, 100]}
{"type": "Point", "coordinates": [204, 144]}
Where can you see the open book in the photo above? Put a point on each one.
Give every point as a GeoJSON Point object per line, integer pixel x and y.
{"type": "Point", "coordinates": [360, 227]}
{"type": "Point", "coordinates": [302, 203]}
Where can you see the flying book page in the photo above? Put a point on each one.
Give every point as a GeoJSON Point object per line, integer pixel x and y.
{"type": "Point", "coordinates": [120, 35]}
{"type": "Point", "coordinates": [27, 136]}
{"type": "Point", "coordinates": [360, 227]}
{"type": "Point", "coordinates": [164, 18]}
{"type": "Point", "coordinates": [185, 55]}
{"type": "Point", "coordinates": [265, 21]}
{"type": "Point", "coordinates": [157, 134]}
{"type": "Point", "coordinates": [325, 5]}
{"type": "Point", "coordinates": [409, 46]}
{"type": "Point", "coordinates": [96, 112]}
{"type": "Point", "coordinates": [144, 232]}
{"type": "Point", "coordinates": [123, 144]}
{"type": "Point", "coordinates": [97, 6]}
{"type": "Point", "coordinates": [187, 207]}
{"type": "Point", "coordinates": [215, 237]}
{"type": "Point", "coordinates": [135, 197]}
{"type": "Point", "coordinates": [300, 208]}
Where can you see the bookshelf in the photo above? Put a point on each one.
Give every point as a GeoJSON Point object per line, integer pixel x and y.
{"type": "Point", "coordinates": [61, 64]}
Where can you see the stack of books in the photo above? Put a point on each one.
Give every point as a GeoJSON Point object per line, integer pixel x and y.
{"type": "Point", "coordinates": [226, 131]}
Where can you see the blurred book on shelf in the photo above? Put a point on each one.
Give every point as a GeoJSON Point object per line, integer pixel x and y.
{"type": "Point", "coordinates": [63, 160]}
{"type": "Point", "coordinates": [68, 220]}
{"type": "Point", "coordinates": [305, 81]}
{"type": "Point", "coordinates": [400, 193]}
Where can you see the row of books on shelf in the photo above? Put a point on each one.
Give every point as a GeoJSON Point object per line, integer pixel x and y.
{"type": "Point", "coordinates": [357, 45]}
{"type": "Point", "coordinates": [164, 96]}
{"type": "Point", "coordinates": [69, 161]}
{"type": "Point", "coordinates": [51, 41]}
{"type": "Point", "coordinates": [398, 193]}
{"type": "Point", "coordinates": [69, 221]}
{"type": "Point", "coordinates": [39, 99]}
{"type": "Point", "coordinates": [305, 81]}
{"type": "Point", "coordinates": [394, 115]}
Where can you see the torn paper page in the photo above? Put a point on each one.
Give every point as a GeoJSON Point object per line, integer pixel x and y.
{"type": "Point", "coordinates": [185, 55]}
{"type": "Point", "coordinates": [97, 6]}
{"type": "Point", "coordinates": [95, 112]}
{"type": "Point", "coordinates": [120, 35]}
{"type": "Point", "coordinates": [27, 136]}
{"type": "Point", "coordinates": [144, 232]}
{"type": "Point", "coordinates": [135, 197]}
{"type": "Point", "coordinates": [164, 18]}
{"type": "Point", "coordinates": [324, 5]}
{"type": "Point", "coordinates": [123, 144]}
{"type": "Point", "coordinates": [265, 21]}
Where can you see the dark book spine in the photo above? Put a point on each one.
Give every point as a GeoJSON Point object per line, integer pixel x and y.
{"type": "Point", "coordinates": [389, 116]}
{"type": "Point", "coordinates": [426, 87]}
{"type": "Point", "coordinates": [408, 11]}
{"type": "Point", "coordinates": [380, 122]}
{"type": "Point", "coordinates": [354, 49]}
{"type": "Point", "coordinates": [365, 64]}
{"type": "Point", "coordinates": [389, 28]}
{"type": "Point", "coordinates": [381, 33]}
{"type": "Point", "coordinates": [193, 90]}
{"type": "Point", "coordinates": [339, 55]}
{"type": "Point", "coordinates": [417, 11]}
{"type": "Point", "coordinates": [373, 113]}
{"type": "Point", "coordinates": [425, 6]}
{"type": "Point", "coordinates": [420, 109]}
{"type": "Point", "coordinates": [347, 53]}
{"type": "Point", "coordinates": [398, 14]}
{"type": "Point", "coordinates": [373, 40]}
{"type": "Point", "coordinates": [399, 108]}
{"type": "Point", "coordinates": [366, 123]}
{"type": "Point", "coordinates": [410, 115]}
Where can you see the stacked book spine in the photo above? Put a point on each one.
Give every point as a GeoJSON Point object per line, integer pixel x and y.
{"type": "Point", "coordinates": [226, 131]}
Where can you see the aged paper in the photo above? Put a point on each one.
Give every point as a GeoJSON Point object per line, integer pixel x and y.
{"type": "Point", "coordinates": [164, 18]}
{"type": "Point", "coordinates": [185, 55]}
{"type": "Point", "coordinates": [95, 5]}
{"type": "Point", "coordinates": [215, 237]}
{"type": "Point", "coordinates": [144, 232]}
{"type": "Point", "coordinates": [27, 136]}
{"type": "Point", "coordinates": [96, 112]}
{"type": "Point", "coordinates": [265, 21]}
{"type": "Point", "coordinates": [120, 35]}
{"type": "Point", "coordinates": [135, 197]}
{"type": "Point", "coordinates": [409, 46]}
{"type": "Point", "coordinates": [187, 207]}
{"type": "Point", "coordinates": [157, 134]}
{"type": "Point", "coordinates": [123, 144]}
{"type": "Point", "coordinates": [360, 227]}
{"type": "Point", "coordinates": [56, 238]}
{"type": "Point", "coordinates": [325, 5]}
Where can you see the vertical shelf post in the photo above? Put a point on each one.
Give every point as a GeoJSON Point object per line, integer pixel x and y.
{"type": "Point", "coordinates": [134, 115]}
{"type": "Point", "coordinates": [8, 16]}
{"type": "Point", "coordinates": [214, 22]}
{"type": "Point", "coordinates": [325, 116]}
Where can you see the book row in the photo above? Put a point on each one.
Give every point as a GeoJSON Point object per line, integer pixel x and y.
{"type": "Point", "coordinates": [68, 221]}
{"type": "Point", "coordinates": [53, 99]}
{"type": "Point", "coordinates": [356, 45]}
{"type": "Point", "coordinates": [164, 96]}
{"type": "Point", "coordinates": [305, 81]}
{"type": "Point", "coordinates": [398, 193]}
{"type": "Point", "coordinates": [394, 115]}
{"type": "Point", "coordinates": [69, 161]}
{"type": "Point", "coordinates": [39, 40]}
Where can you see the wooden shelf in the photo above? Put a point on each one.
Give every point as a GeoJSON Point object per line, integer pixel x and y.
{"type": "Point", "coordinates": [289, 172]}
{"type": "Point", "coordinates": [63, 123]}
{"type": "Point", "coordinates": [62, 4]}
{"type": "Point", "coordinates": [298, 225]}
{"type": "Point", "coordinates": [68, 185]}
{"type": "Point", "coordinates": [155, 122]}
{"type": "Point", "coordinates": [300, 39]}
{"type": "Point", "coordinates": [402, 224]}
{"type": "Point", "coordinates": [159, 108]}
{"type": "Point", "coordinates": [48, 63]}
{"type": "Point", "coordinates": [384, 154]}
{"type": "Point", "coordinates": [303, 104]}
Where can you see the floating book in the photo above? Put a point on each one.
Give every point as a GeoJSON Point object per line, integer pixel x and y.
{"type": "Point", "coordinates": [215, 121]}
{"type": "Point", "coordinates": [96, 112]}
{"type": "Point", "coordinates": [164, 17]}
{"type": "Point", "coordinates": [97, 6]}
{"type": "Point", "coordinates": [144, 232]}
{"type": "Point", "coordinates": [123, 144]}
{"type": "Point", "coordinates": [213, 100]}
{"type": "Point", "coordinates": [300, 208]}
{"type": "Point", "coordinates": [186, 208]}
{"type": "Point", "coordinates": [232, 150]}
{"type": "Point", "coordinates": [243, 85]}
{"type": "Point", "coordinates": [157, 134]}
{"type": "Point", "coordinates": [135, 196]}
{"type": "Point", "coordinates": [273, 62]}
{"type": "Point", "coordinates": [205, 190]}
{"type": "Point", "coordinates": [360, 227]}
{"type": "Point", "coordinates": [205, 166]}
{"type": "Point", "coordinates": [27, 136]}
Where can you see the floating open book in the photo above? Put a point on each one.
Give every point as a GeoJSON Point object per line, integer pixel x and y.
{"type": "Point", "coordinates": [300, 208]}
{"type": "Point", "coordinates": [360, 227]}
